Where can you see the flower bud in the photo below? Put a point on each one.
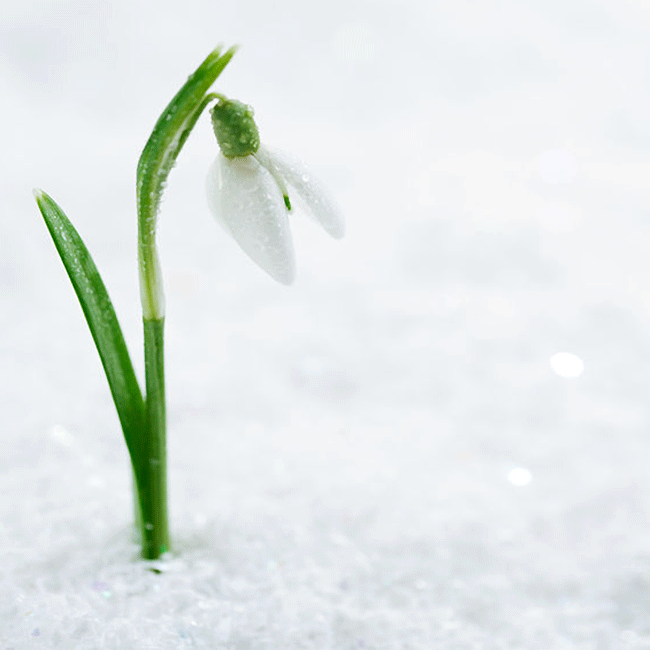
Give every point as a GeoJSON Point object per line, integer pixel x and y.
{"type": "Point", "coordinates": [235, 128]}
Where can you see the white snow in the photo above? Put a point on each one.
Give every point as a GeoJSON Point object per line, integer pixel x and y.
{"type": "Point", "coordinates": [382, 456]}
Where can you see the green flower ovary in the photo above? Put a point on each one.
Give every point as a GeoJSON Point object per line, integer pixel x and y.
{"type": "Point", "coordinates": [235, 128]}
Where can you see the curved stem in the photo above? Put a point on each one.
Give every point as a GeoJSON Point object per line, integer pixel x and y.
{"type": "Point", "coordinates": [158, 157]}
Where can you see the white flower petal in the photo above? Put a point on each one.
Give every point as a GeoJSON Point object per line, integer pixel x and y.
{"type": "Point", "coordinates": [246, 201]}
{"type": "Point", "coordinates": [316, 198]}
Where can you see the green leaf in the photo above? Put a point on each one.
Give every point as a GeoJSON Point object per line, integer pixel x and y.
{"type": "Point", "coordinates": [173, 127]}
{"type": "Point", "coordinates": [102, 321]}
{"type": "Point", "coordinates": [156, 161]}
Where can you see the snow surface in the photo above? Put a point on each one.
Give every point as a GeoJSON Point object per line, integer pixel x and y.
{"type": "Point", "coordinates": [439, 436]}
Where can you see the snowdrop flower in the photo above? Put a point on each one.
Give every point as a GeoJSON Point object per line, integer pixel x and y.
{"type": "Point", "coordinates": [248, 192]}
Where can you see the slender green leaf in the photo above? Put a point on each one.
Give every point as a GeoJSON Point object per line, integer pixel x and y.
{"type": "Point", "coordinates": [172, 128]}
{"type": "Point", "coordinates": [102, 321]}
{"type": "Point", "coordinates": [156, 161]}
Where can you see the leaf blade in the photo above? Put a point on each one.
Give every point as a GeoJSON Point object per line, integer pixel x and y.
{"type": "Point", "coordinates": [172, 128]}
{"type": "Point", "coordinates": [156, 161]}
{"type": "Point", "coordinates": [102, 322]}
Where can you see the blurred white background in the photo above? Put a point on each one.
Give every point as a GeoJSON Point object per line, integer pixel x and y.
{"type": "Point", "coordinates": [389, 454]}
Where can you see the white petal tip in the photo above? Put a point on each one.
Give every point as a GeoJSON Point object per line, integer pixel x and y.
{"type": "Point", "coordinates": [282, 271]}
{"type": "Point", "coordinates": [287, 282]}
{"type": "Point", "coordinates": [337, 231]}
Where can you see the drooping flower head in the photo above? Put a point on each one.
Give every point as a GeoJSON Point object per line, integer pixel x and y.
{"type": "Point", "coordinates": [248, 192]}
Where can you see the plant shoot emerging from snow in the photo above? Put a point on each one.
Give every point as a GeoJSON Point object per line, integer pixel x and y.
{"type": "Point", "coordinates": [248, 191]}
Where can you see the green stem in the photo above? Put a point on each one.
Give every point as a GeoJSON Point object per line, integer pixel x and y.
{"type": "Point", "coordinates": [153, 489]}
{"type": "Point", "coordinates": [137, 511]}
{"type": "Point", "coordinates": [156, 161]}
